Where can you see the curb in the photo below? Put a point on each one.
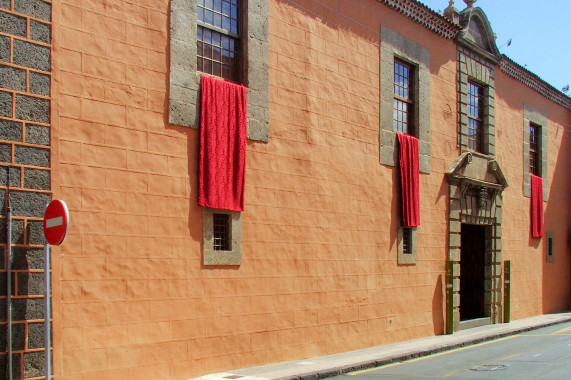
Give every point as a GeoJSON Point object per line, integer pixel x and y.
{"type": "Point", "coordinates": [341, 370]}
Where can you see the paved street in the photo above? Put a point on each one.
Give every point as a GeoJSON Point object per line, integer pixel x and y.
{"type": "Point", "coordinates": [539, 354]}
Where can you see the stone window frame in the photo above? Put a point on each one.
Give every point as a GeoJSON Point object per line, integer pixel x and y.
{"type": "Point", "coordinates": [184, 93]}
{"type": "Point", "coordinates": [215, 257]}
{"type": "Point", "coordinates": [184, 79]}
{"type": "Point", "coordinates": [475, 69]}
{"type": "Point", "coordinates": [402, 257]}
{"type": "Point", "coordinates": [550, 243]}
{"type": "Point", "coordinates": [532, 115]}
{"type": "Point", "coordinates": [396, 46]}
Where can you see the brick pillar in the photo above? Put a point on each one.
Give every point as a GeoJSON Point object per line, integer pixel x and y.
{"type": "Point", "coordinates": [25, 66]}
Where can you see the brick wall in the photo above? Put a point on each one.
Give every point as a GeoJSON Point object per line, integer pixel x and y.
{"type": "Point", "coordinates": [25, 66]}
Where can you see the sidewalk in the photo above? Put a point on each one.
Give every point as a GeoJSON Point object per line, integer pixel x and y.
{"type": "Point", "coordinates": [331, 365]}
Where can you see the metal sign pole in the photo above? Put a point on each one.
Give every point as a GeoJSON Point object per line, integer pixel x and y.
{"type": "Point", "coordinates": [56, 218]}
{"type": "Point", "coordinates": [9, 284]}
{"type": "Point", "coordinates": [47, 307]}
{"type": "Point", "coordinates": [47, 330]}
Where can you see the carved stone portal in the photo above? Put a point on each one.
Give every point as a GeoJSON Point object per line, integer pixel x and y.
{"type": "Point", "coordinates": [476, 184]}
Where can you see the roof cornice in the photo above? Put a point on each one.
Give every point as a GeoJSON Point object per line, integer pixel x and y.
{"type": "Point", "coordinates": [424, 16]}
{"type": "Point", "coordinates": [443, 27]}
{"type": "Point", "coordinates": [515, 71]}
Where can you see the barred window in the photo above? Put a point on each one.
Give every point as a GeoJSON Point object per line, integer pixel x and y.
{"type": "Point", "coordinates": [534, 161]}
{"type": "Point", "coordinates": [406, 241]}
{"type": "Point", "coordinates": [403, 109]}
{"type": "Point", "coordinates": [218, 37]}
{"type": "Point", "coordinates": [222, 232]}
{"type": "Point", "coordinates": [475, 116]}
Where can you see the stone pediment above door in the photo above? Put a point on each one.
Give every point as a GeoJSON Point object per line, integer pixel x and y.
{"type": "Point", "coordinates": [475, 170]}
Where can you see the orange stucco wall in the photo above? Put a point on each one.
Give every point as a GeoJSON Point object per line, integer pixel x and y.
{"type": "Point", "coordinates": [319, 269]}
{"type": "Point", "coordinates": [537, 286]}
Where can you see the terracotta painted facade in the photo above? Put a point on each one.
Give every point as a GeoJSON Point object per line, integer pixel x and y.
{"type": "Point", "coordinates": [319, 273]}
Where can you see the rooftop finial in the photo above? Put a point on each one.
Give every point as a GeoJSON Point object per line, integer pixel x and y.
{"type": "Point", "coordinates": [469, 3]}
{"type": "Point", "coordinates": [451, 13]}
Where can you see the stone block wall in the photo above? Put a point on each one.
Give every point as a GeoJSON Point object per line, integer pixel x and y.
{"type": "Point", "coordinates": [25, 177]}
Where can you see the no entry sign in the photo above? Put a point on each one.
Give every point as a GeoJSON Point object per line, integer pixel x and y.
{"type": "Point", "coordinates": [56, 219]}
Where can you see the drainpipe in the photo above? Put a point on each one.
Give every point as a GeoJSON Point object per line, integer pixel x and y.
{"type": "Point", "coordinates": [9, 275]}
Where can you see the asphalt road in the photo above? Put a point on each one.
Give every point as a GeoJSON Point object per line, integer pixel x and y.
{"type": "Point", "coordinates": [539, 354]}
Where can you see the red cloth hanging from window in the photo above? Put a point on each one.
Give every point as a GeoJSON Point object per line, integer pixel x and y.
{"type": "Point", "coordinates": [409, 176]}
{"type": "Point", "coordinates": [536, 206]}
{"type": "Point", "coordinates": [222, 165]}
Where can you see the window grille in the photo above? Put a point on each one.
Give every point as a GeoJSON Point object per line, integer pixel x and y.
{"type": "Point", "coordinates": [550, 246]}
{"type": "Point", "coordinates": [475, 116]}
{"type": "Point", "coordinates": [534, 162]}
{"type": "Point", "coordinates": [406, 241]}
{"type": "Point", "coordinates": [222, 234]}
{"type": "Point", "coordinates": [403, 109]}
{"type": "Point", "coordinates": [218, 37]}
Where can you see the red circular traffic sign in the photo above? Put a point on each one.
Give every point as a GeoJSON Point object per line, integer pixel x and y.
{"type": "Point", "coordinates": [56, 220]}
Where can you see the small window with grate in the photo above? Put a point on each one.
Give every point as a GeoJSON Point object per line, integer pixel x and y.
{"type": "Point", "coordinates": [534, 149]}
{"type": "Point", "coordinates": [222, 232]}
{"type": "Point", "coordinates": [550, 246]}
{"type": "Point", "coordinates": [475, 116]}
{"type": "Point", "coordinates": [218, 37]}
{"type": "Point", "coordinates": [406, 241]}
{"type": "Point", "coordinates": [403, 103]}
{"type": "Point", "coordinates": [407, 251]}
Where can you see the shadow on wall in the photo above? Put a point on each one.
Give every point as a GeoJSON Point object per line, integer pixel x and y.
{"type": "Point", "coordinates": [438, 307]}
{"type": "Point", "coordinates": [557, 274]}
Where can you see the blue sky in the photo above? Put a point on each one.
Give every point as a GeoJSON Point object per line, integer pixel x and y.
{"type": "Point", "coordinates": [540, 31]}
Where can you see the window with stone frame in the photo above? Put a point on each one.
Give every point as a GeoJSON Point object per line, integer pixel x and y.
{"type": "Point", "coordinates": [550, 247]}
{"type": "Point", "coordinates": [404, 97]}
{"type": "Point", "coordinates": [475, 116]}
{"type": "Point", "coordinates": [218, 38]}
{"type": "Point", "coordinates": [476, 103]}
{"type": "Point", "coordinates": [226, 38]}
{"type": "Point", "coordinates": [534, 149]}
{"type": "Point", "coordinates": [407, 250]}
{"type": "Point", "coordinates": [229, 39]}
{"type": "Point", "coordinates": [222, 237]}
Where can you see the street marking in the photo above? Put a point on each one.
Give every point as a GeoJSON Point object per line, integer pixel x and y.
{"type": "Point", "coordinates": [536, 355]}
{"type": "Point", "coordinates": [431, 356]}
{"type": "Point", "coordinates": [562, 330]}
{"type": "Point", "coordinates": [508, 357]}
{"type": "Point", "coordinates": [54, 222]}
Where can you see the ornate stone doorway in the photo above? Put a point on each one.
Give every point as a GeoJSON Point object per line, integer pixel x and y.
{"type": "Point", "coordinates": [474, 235]}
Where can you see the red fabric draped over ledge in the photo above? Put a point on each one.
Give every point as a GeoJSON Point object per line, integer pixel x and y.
{"type": "Point", "coordinates": [222, 165]}
{"type": "Point", "coordinates": [536, 206]}
{"type": "Point", "coordinates": [409, 176]}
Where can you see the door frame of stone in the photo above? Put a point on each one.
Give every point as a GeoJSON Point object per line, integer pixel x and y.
{"type": "Point", "coordinates": [476, 183]}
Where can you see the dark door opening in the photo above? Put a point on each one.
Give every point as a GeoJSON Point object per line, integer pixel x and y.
{"type": "Point", "coordinates": [472, 272]}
